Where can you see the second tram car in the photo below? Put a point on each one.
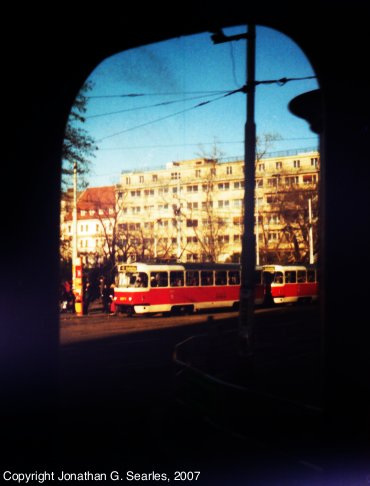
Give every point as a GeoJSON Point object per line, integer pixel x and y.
{"type": "Point", "coordinates": [291, 283]}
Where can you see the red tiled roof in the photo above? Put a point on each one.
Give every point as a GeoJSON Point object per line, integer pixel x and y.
{"type": "Point", "coordinates": [93, 198]}
{"type": "Point", "coordinates": [96, 198]}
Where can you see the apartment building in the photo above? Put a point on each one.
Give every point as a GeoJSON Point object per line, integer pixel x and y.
{"type": "Point", "coordinates": [192, 210]}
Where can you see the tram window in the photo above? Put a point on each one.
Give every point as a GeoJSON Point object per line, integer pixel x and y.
{"type": "Point", "coordinates": [192, 278]}
{"type": "Point", "coordinates": [279, 279]}
{"type": "Point", "coordinates": [220, 277]}
{"type": "Point", "coordinates": [301, 276]}
{"type": "Point", "coordinates": [141, 280]}
{"type": "Point", "coordinates": [206, 278]}
{"type": "Point", "coordinates": [130, 279]}
{"type": "Point", "coordinates": [234, 277]}
{"type": "Point", "coordinates": [290, 276]}
{"type": "Point", "coordinates": [158, 279]}
{"type": "Point", "coordinates": [176, 279]}
{"type": "Point", "coordinates": [257, 277]}
{"type": "Point", "coordinates": [310, 275]}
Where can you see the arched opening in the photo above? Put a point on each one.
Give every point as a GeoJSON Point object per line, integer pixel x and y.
{"type": "Point", "coordinates": [168, 184]}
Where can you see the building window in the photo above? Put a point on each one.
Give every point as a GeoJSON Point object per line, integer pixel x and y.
{"type": "Point", "coordinates": [272, 182]}
{"type": "Point", "coordinates": [291, 181]}
{"type": "Point", "coordinates": [279, 165]}
{"type": "Point", "coordinates": [136, 193]}
{"type": "Point", "coordinates": [128, 180]}
{"type": "Point", "coordinates": [191, 223]}
{"type": "Point", "coordinates": [229, 170]}
{"type": "Point", "coordinates": [175, 175]}
{"type": "Point", "coordinates": [238, 203]}
{"type": "Point", "coordinates": [272, 236]}
{"type": "Point", "coordinates": [274, 219]}
{"type": "Point", "coordinates": [198, 173]}
{"type": "Point", "coordinates": [154, 178]}
{"type": "Point", "coordinates": [314, 162]}
{"type": "Point", "coordinates": [224, 186]}
{"type": "Point", "coordinates": [207, 204]}
{"type": "Point", "coordinates": [238, 221]}
{"type": "Point", "coordinates": [97, 228]}
{"type": "Point", "coordinates": [309, 179]}
{"type": "Point", "coordinates": [213, 172]}
{"type": "Point", "coordinates": [192, 188]}
{"type": "Point", "coordinates": [261, 167]}
{"type": "Point", "coordinates": [141, 179]}
{"type": "Point", "coordinates": [193, 205]}
{"type": "Point", "coordinates": [223, 204]}
{"type": "Point", "coordinates": [191, 239]}
{"type": "Point", "coordinates": [259, 183]}
{"type": "Point", "coordinates": [207, 187]}
{"type": "Point", "coordinates": [239, 185]}
{"type": "Point", "coordinates": [149, 192]}
{"type": "Point", "coordinates": [296, 164]}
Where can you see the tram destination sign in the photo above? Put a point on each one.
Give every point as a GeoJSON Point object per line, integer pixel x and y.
{"type": "Point", "coordinates": [127, 268]}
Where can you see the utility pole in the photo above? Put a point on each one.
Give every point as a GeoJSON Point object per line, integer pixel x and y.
{"type": "Point", "coordinates": [178, 221]}
{"type": "Point", "coordinates": [74, 215]}
{"type": "Point", "coordinates": [248, 256]}
{"type": "Point", "coordinates": [310, 235]}
{"type": "Point", "coordinates": [76, 261]}
{"type": "Point", "coordinates": [257, 233]}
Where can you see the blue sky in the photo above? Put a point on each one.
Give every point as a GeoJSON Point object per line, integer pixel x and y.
{"type": "Point", "coordinates": [186, 71]}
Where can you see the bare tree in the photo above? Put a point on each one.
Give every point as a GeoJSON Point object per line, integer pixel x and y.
{"type": "Point", "coordinates": [264, 144]}
{"type": "Point", "coordinates": [288, 210]}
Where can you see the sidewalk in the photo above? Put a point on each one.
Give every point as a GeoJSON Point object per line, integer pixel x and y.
{"type": "Point", "coordinates": [95, 309]}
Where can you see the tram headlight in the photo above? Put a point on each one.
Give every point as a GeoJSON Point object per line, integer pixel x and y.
{"type": "Point", "coordinates": [130, 299]}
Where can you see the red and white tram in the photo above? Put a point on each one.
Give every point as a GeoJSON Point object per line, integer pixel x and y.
{"type": "Point", "coordinates": [291, 284]}
{"type": "Point", "coordinates": [145, 288]}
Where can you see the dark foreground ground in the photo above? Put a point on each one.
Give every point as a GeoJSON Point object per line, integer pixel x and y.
{"type": "Point", "coordinates": [188, 399]}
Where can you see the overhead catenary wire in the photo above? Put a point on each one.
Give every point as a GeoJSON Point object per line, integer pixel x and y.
{"type": "Point", "coordinates": [137, 147]}
{"type": "Point", "coordinates": [174, 93]}
{"type": "Point", "coordinates": [203, 103]}
{"type": "Point", "coordinates": [155, 105]}
{"type": "Point", "coordinates": [243, 89]}
{"type": "Point", "coordinates": [209, 92]}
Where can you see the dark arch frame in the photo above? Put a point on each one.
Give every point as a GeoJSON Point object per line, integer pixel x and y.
{"type": "Point", "coordinates": [41, 83]}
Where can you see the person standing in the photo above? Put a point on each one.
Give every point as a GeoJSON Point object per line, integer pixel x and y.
{"type": "Point", "coordinates": [87, 297]}
{"type": "Point", "coordinates": [106, 298]}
